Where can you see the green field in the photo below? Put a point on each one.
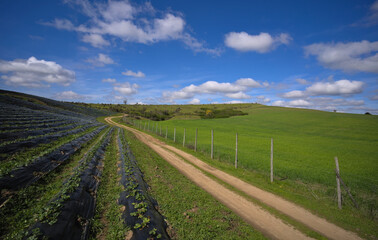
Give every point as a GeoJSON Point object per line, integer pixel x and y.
{"type": "Point", "coordinates": [305, 143]}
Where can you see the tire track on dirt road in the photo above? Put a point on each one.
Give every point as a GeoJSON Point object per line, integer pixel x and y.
{"type": "Point", "coordinates": [262, 220]}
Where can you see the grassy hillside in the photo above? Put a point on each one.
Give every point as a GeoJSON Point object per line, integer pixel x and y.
{"type": "Point", "coordinates": [305, 144]}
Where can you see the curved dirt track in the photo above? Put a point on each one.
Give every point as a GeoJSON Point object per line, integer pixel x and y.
{"type": "Point", "coordinates": [259, 218]}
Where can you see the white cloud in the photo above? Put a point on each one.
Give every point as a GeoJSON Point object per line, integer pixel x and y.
{"type": "Point", "coordinates": [263, 99]}
{"type": "Point", "coordinates": [302, 81]}
{"type": "Point", "coordinates": [261, 43]}
{"type": "Point", "coordinates": [109, 80]}
{"type": "Point", "coordinates": [118, 10]}
{"type": "Point", "coordinates": [68, 95]}
{"type": "Point", "coordinates": [35, 73]}
{"type": "Point", "coordinates": [96, 40]}
{"type": "Point", "coordinates": [231, 102]}
{"type": "Point", "coordinates": [194, 101]}
{"type": "Point", "coordinates": [341, 87]}
{"type": "Point", "coordinates": [278, 103]}
{"type": "Point", "coordinates": [294, 94]}
{"type": "Point", "coordinates": [248, 82]}
{"type": "Point", "coordinates": [299, 103]}
{"type": "Point", "coordinates": [338, 88]}
{"type": "Point", "coordinates": [62, 24]}
{"type": "Point", "coordinates": [130, 73]}
{"type": "Point", "coordinates": [349, 57]}
{"type": "Point", "coordinates": [120, 19]}
{"type": "Point", "coordinates": [232, 90]}
{"type": "Point", "coordinates": [101, 60]}
{"type": "Point", "coordinates": [375, 97]}
{"type": "Point", "coordinates": [126, 88]}
{"type": "Point", "coordinates": [238, 95]}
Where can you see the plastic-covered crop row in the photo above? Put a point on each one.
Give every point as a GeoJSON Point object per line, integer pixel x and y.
{"type": "Point", "coordinates": [27, 175]}
{"type": "Point", "coordinates": [40, 107]}
{"type": "Point", "coordinates": [18, 146]}
{"type": "Point", "coordinates": [68, 216]}
{"type": "Point", "coordinates": [34, 126]}
{"type": "Point", "coordinates": [140, 208]}
{"type": "Point", "coordinates": [10, 136]}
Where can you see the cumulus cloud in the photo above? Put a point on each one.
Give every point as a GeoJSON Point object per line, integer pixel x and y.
{"type": "Point", "coordinates": [302, 81]}
{"type": "Point", "coordinates": [238, 95]}
{"type": "Point", "coordinates": [323, 103]}
{"type": "Point", "coordinates": [349, 57]}
{"type": "Point", "coordinates": [109, 80]}
{"type": "Point", "coordinates": [338, 88]}
{"type": "Point", "coordinates": [35, 73]}
{"type": "Point", "coordinates": [62, 24]}
{"type": "Point", "coordinates": [194, 101]}
{"type": "Point", "coordinates": [126, 88]}
{"type": "Point", "coordinates": [235, 90]}
{"type": "Point", "coordinates": [341, 87]}
{"type": "Point", "coordinates": [130, 73]}
{"type": "Point", "coordinates": [263, 99]}
{"type": "Point", "coordinates": [101, 60]}
{"type": "Point", "coordinates": [68, 95]}
{"type": "Point", "coordinates": [96, 40]}
{"type": "Point", "coordinates": [118, 10]}
{"type": "Point", "coordinates": [294, 94]}
{"type": "Point", "coordinates": [130, 23]}
{"type": "Point", "coordinates": [262, 43]}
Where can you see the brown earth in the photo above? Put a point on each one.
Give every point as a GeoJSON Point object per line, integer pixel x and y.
{"type": "Point", "coordinates": [267, 223]}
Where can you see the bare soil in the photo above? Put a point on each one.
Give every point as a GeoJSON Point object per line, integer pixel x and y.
{"type": "Point", "coordinates": [267, 223]}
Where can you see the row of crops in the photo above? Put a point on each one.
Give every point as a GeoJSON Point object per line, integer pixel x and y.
{"type": "Point", "coordinates": [52, 157]}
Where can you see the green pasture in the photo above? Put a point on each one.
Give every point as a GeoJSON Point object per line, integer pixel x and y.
{"type": "Point", "coordinates": [305, 142]}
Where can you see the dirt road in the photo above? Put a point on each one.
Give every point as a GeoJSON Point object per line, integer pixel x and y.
{"type": "Point", "coordinates": [259, 218]}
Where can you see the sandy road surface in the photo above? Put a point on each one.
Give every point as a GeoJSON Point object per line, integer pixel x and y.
{"type": "Point", "coordinates": [259, 218]}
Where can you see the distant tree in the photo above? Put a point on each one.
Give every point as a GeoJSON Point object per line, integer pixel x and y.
{"type": "Point", "coordinates": [125, 101]}
{"type": "Point", "coordinates": [367, 113]}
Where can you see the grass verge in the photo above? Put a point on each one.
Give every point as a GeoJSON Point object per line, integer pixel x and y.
{"type": "Point", "coordinates": [108, 223]}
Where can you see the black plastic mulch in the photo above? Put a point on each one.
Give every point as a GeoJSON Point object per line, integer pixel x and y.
{"type": "Point", "coordinates": [27, 175]}
{"type": "Point", "coordinates": [132, 179]}
{"type": "Point", "coordinates": [76, 213]}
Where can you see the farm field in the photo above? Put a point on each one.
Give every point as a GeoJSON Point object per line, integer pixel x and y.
{"type": "Point", "coordinates": [65, 175]}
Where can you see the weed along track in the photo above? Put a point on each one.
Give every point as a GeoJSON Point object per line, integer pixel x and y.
{"type": "Point", "coordinates": [270, 225]}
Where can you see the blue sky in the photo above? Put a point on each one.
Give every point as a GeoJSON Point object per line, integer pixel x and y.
{"type": "Point", "coordinates": [309, 54]}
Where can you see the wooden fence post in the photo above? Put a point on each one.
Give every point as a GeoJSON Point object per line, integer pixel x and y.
{"type": "Point", "coordinates": [212, 144]}
{"type": "Point", "coordinates": [145, 126]}
{"type": "Point", "coordinates": [338, 183]}
{"type": "Point", "coordinates": [148, 125]}
{"type": "Point", "coordinates": [271, 160]}
{"type": "Point", "coordinates": [236, 152]}
{"type": "Point", "coordinates": [195, 141]}
{"type": "Point", "coordinates": [183, 140]}
{"type": "Point", "coordinates": [174, 134]}
{"type": "Point", "coordinates": [166, 132]}
{"type": "Point", "coordinates": [160, 129]}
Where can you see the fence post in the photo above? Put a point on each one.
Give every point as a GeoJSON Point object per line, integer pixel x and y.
{"type": "Point", "coordinates": [148, 125]}
{"type": "Point", "coordinates": [156, 129]}
{"type": "Point", "coordinates": [183, 140]}
{"type": "Point", "coordinates": [145, 126]}
{"type": "Point", "coordinates": [174, 134]}
{"type": "Point", "coordinates": [195, 141]}
{"type": "Point", "coordinates": [160, 129]}
{"type": "Point", "coordinates": [166, 132]}
{"type": "Point", "coordinates": [271, 160]}
{"type": "Point", "coordinates": [236, 152]}
{"type": "Point", "coordinates": [212, 144]}
{"type": "Point", "coordinates": [338, 183]}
